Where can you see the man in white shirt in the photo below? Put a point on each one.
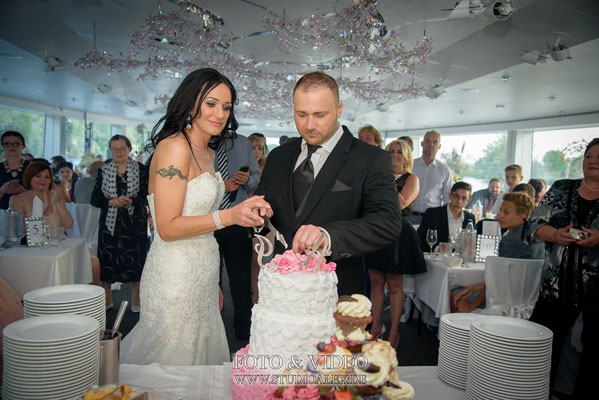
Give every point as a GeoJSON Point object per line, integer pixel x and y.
{"type": "Point", "coordinates": [435, 178]}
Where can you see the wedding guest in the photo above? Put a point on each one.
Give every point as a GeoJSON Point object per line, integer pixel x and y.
{"type": "Point", "coordinates": [122, 240]}
{"type": "Point", "coordinates": [68, 179]}
{"type": "Point", "coordinates": [524, 188]}
{"type": "Point", "coordinates": [258, 142]}
{"type": "Point", "coordinates": [409, 141]}
{"type": "Point", "coordinates": [540, 187]}
{"type": "Point", "coordinates": [513, 176]}
{"type": "Point", "coordinates": [487, 196]}
{"type": "Point", "coordinates": [402, 257]}
{"type": "Point", "coordinates": [85, 185]}
{"type": "Point", "coordinates": [11, 172]}
{"type": "Point", "coordinates": [369, 134]}
{"type": "Point", "coordinates": [55, 160]}
{"type": "Point", "coordinates": [447, 220]}
{"type": "Point", "coordinates": [571, 270]}
{"type": "Point", "coordinates": [515, 210]}
{"type": "Point", "coordinates": [37, 179]}
{"type": "Point", "coordinates": [435, 177]}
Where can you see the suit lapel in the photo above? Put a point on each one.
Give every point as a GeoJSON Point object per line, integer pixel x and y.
{"type": "Point", "coordinates": [445, 223]}
{"type": "Point", "coordinates": [327, 174]}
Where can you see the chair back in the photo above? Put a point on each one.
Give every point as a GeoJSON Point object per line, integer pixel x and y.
{"type": "Point", "coordinates": [512, 286]}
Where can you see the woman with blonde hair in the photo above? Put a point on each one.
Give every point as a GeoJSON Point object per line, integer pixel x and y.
{"type": "Point", "coordinates": [258, 142]}
{"type": "Point", "coordinates": [369, 134]}
{"type": "Point", "coordinates": [404, 256]}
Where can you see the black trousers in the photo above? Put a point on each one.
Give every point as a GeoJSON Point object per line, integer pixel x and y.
{"type": "Point", "coordinates": [560, 318]}
{"type": "Point", "coordinates": [236, 248]}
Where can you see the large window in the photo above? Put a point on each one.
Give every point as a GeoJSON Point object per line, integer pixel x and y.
{"type": "Point", "coordinates": [558, 154]}
{"type": "Point", "coordinates": [138, 135]}
{"type": "Point", "coordinates": [31, 125]}
{"type": "Point", "coordinates": [75, 140]}
{"type": "Point", "coordinates": [101, 134]}
{"type": "Point", "coordinates": [475, 158]}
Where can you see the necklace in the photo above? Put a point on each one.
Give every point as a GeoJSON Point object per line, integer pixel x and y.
{"type": "Point", "coordinates": [13, 172]}
{"type": "Point", "coordinates": [588, 187]}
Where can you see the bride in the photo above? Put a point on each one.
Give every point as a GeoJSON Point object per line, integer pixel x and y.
{"type": "Point", "coordinates": [180, 322]}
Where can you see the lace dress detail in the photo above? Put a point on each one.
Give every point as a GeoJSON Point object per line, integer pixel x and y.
{"type": "Point", "coordinates": [180, 322]}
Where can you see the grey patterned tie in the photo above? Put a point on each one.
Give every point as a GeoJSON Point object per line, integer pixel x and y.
{"type": "Point", "coordinates": [221, 161]}
{"type": "Point", "coordinates": [303, 177]}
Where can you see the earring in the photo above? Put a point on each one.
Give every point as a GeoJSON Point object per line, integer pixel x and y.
{"type": "Point", "coordinates": [188, 126]}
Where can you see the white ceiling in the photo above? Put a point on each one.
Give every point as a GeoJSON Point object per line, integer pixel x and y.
{"type": "Point", "coordinates": [469, 58]}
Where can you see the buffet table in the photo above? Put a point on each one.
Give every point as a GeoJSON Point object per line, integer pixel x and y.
{"type": "Point", "coordinates": [212, 382]}
{"type": "Point", "coordinates": [433, 287]}
{"type": "Point", "coordinates": [28, 268]}
{"type": "Point", "coordinates": [86, 219]}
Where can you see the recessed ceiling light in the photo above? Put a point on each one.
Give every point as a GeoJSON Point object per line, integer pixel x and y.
{"type": "Point", "coordinates": [500, 106]}
{"type": "Point", "coordinates": [505, 77]}
{"type": "Point", "coordinates": [562, 113]}
{"type": "Point", "coordinates": [552, 98]}
{"type": "Point", "coordinates": [470, 90]}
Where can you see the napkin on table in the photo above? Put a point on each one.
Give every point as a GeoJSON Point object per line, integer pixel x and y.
{"type": "Point", "coordinates": [37, 210]}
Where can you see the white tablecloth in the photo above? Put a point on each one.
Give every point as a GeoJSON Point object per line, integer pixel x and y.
{"type": "Point", "coordinates": [433, 287]}
{"type": "Point", "coordinates": [213, 382]}
{"type": "Point", "coordinates": [29, 268]}
{"type": "Point", "coordinates": [86, 219]}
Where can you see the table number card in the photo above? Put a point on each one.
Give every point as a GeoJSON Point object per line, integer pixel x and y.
{"type": "Point", "coordinates": [486, 246]}
{"type": "Point", "coordinates": [36, 231]}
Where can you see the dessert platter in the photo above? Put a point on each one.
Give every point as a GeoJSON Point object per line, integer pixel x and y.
{"type": "Point", "coordinates": [306, 343]}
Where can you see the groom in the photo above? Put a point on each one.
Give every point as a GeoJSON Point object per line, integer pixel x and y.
{"type": "Point", "coordinates": [330, 180]}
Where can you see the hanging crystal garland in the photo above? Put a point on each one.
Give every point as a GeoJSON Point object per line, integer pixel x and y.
{"type": "Point", "coordinates": [176, 43]}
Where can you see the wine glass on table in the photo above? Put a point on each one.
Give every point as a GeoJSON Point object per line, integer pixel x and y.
{"type": "Point", "coordinates": [431, 239]}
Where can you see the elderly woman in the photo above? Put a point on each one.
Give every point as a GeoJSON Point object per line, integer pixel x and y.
{"type": "Point", "coordinates": [120, 193]}
{"type": "Point", "coordinates": [369, 134]}
{"type": "Point", "coordinates": [571, 272]}
{"type": "Point", "coordinates": [11, 170]}
{"type": "Point", "coordinates": [404, 256]}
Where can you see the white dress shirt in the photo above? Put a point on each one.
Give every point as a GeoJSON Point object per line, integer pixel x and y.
{"type": "Point", "coordinates": [436, 181]}
{"type": "Point", "coordinates": [319, 157]}
{"type": "Point", "coordinates": [454, 224]}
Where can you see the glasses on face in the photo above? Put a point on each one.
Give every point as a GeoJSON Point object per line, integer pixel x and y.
{"type": "Point", "coordinates": [12, 144]}
{"type": "Point", "coordinates": [120, 149]}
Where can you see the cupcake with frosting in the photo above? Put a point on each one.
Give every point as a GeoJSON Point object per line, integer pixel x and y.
{"type": "Point", "coordinates": [352, 317]}
{"type": "Point", "coordinates": [375, 375]}
{"type": "Point", "coordinates": [381, 349]}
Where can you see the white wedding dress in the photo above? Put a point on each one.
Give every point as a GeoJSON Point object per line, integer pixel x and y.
{"type": "Point", "coordinates": [180, 321]}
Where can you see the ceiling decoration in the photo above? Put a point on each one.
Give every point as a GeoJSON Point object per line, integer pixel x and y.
{"type": "Point", "coordinates": [369, 62]}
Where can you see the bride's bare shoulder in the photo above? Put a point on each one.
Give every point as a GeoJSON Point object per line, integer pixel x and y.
{"type": "Point", "coordinates": [174, 147]}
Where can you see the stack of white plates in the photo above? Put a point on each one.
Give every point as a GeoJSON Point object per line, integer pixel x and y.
{"type": "Point", "coordinates": [509, 358]}
{"type": "Point", "coordinates": [454, 338]}
{"type": "Point", "coordinates": [67, 299]}
{"type": "Point", "coordinates": [51, 357]}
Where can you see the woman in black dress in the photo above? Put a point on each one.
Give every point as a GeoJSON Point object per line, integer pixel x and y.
{"type": "Point", "coordinates": [120, 193]}
{"type": "Point", "coordinates": [11, 170]}
{"type": "Point", "coordinates": [404, 256]}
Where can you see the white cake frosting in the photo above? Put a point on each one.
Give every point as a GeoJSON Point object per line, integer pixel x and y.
{"type": "Point", "coordinates": [294, 312]}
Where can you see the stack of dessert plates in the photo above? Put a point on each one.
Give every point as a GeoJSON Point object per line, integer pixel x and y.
{"type": "Point", "coordinates": [454, 338]}
{"type": "Point", "coordinates": [67, 299]}
{"type": "Point", "coordinates": [51, 357]}
{"type": "Point", "coordinates": [509, 358]}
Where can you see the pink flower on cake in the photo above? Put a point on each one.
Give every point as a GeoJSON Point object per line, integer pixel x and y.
{"type": "Point", "coordinates": [301, 393]}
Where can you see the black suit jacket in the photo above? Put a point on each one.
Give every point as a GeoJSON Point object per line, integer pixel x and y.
{"type": "Point", "coordinates": [436, 218]}
{"type": "Point", "coordinates": [354, 197]}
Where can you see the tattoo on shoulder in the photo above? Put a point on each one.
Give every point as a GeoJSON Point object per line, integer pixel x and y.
{"type": "Point", "coordinates": [170, 172]}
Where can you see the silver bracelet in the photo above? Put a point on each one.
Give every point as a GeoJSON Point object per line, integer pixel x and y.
{"type": "Point", "coordinates": [217, 221]}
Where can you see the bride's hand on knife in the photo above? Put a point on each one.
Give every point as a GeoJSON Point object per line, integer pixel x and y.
{"type": "Point", "coordinates": [248, 213]}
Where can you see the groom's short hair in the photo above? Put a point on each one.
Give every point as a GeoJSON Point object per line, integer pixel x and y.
{"type": "Point", "coordinates": [317, 79]}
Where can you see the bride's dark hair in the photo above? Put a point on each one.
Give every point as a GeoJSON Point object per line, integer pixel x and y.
{"type": "Point", "coordinates": [183, 105]}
